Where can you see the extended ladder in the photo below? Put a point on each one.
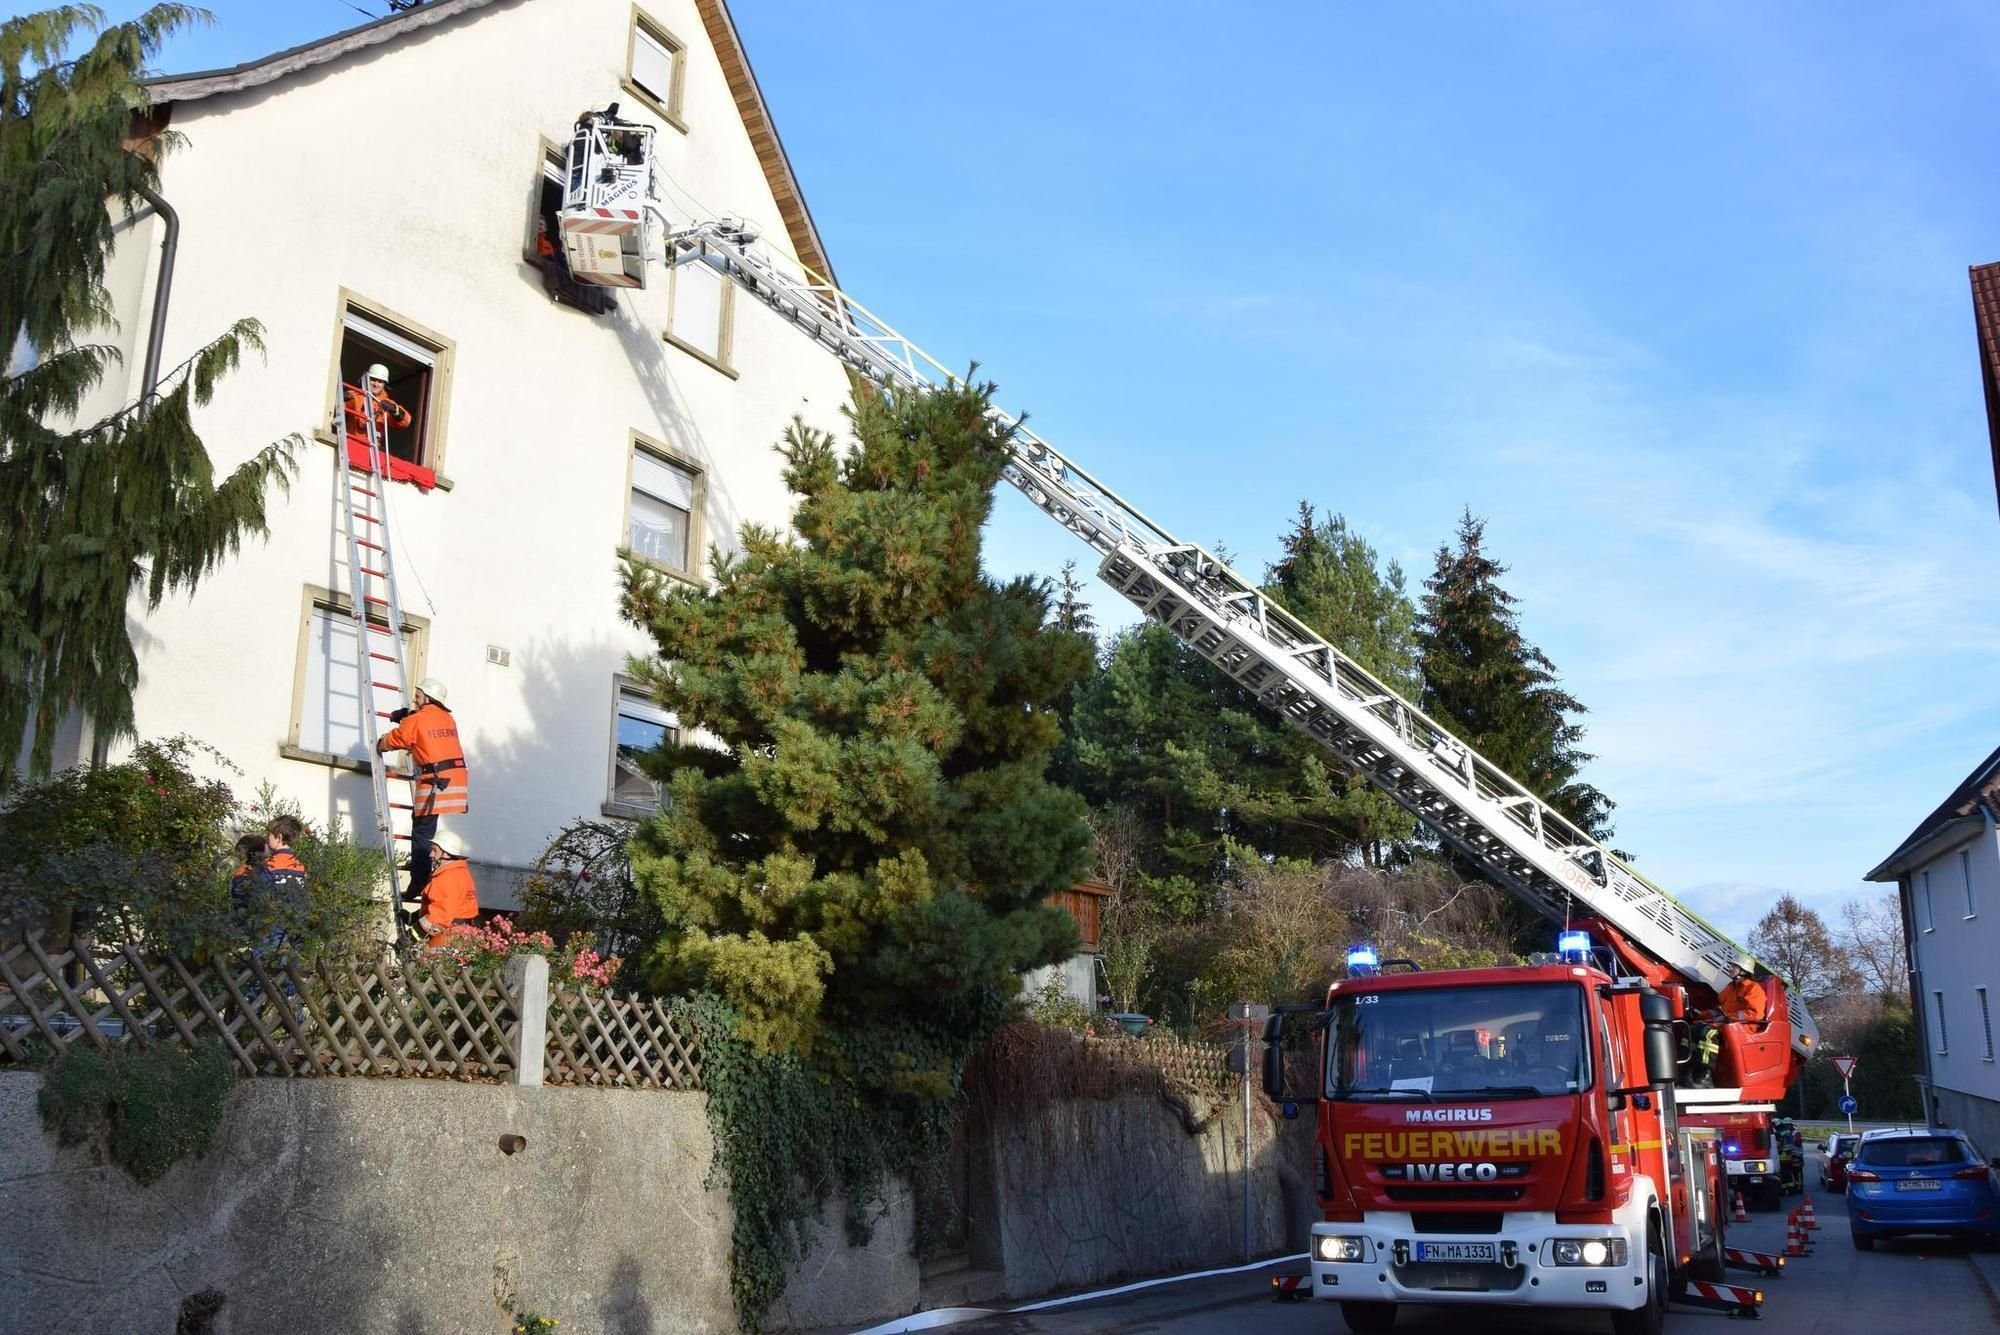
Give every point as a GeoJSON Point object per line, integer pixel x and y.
{"type": "Point", "coordinates": [1514, 837]}
{"type": "Point", "coordinates": [382, 676]}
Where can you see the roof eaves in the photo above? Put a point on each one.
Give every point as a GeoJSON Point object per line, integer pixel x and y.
{"type": "Point", "coordinates": [256, 73]}
{"type": "Point", "coordinates": [1982, 786]}
{"type": "Point", "coordinates": [1986, 323]}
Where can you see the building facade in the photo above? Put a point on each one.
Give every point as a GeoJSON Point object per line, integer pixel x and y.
{"type": "Point", "coordinates": [1947, 874]}
{"type": "Point", "coordinates": [383, 197]}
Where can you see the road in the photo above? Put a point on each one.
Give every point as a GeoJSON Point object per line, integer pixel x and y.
{"type": "Point", "coordinates": [1920, 1284]}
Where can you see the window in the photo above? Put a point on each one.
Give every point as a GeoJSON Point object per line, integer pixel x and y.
{"type": "Point", "coordinates": [638, 726]}
{"type": "Point", "coordinates": [326, 697]}
{"type": "Point", "coordinates": [1965, 879]}
{"type": "Point", "coordinates": [664, 511]}
{"type": "Point", "coordinates": [544, 245]}
{"type": "Point", "coordinates": [1985, 1021]}
{"type": "Point", "coordinates": [1924, 902]}
{"type": "Point", "coordinates": [655, 68]}
{"type": "Point", "coordinates": [1509, 1040]}
{"type": "Point", "coordinates": [1937, 1004]}
{"type": "Point", "coordinates": [701, 311]}
{"type": "Point", "coordinates": [418, 363]}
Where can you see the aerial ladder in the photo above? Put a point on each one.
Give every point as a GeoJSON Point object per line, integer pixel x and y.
{"type": "Point", "coordinates": [613, 224]}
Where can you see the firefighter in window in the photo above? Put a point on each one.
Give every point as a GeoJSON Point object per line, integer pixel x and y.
{"type": "Point", "coordinates": [388, 412]}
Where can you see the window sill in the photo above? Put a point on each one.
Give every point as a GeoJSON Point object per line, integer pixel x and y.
{"type": "Point", "coordinates": [645, 100]}
{"type": "Point", "coordinates": [1968, 917]}
{"type": "Point", "coordinates": [325, 437]}
{"type": "Point", "coordinates": [687, 577]}
{"type": "Point", "coordinates": [628, 811]}
{"type": "Point", "coordinates": [704, 358]}
{"type": "Point", "coordinates": [327, 758]}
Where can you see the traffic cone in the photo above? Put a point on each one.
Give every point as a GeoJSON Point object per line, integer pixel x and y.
{"type": "Point", "coordinates": [1741, 1216]}
{"type": "Point", "coordinates": [1795, 1237]}
{"type": "Point", "coordinates": [1806, 1216]}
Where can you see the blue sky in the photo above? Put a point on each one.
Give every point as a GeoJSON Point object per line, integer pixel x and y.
{"type": "Point", "coordinates": [1675, 299]}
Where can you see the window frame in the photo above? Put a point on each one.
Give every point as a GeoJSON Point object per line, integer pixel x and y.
{"type": "Point", "coordinates": [723, 358]}
{"type": "Point", "coordinates": [622, 689]}
{"type": "Point", "coordinates": [437, 420]}
{"type": "Point", "coordinates": [314, 598]}
{"type": "Point", "coordinates": [1985, 1020]}
{"type": "Point", "coordinates": [1930, 910]}
{"type": "Point", "coordinates": [1965, 875]}
{"type": "Point", "coordinates": [696, 572]}
{"type": "Point", "coordinates": [1942, 1043]}
{"type": "Point", "coordinates": [554, 164]}
{"type": "Point", "coordinates": [677, 54]}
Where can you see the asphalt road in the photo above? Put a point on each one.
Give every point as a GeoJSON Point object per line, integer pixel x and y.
{"type": "Point", "coordinates": [1923, 1285]}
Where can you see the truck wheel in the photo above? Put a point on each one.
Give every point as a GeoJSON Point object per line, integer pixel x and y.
{"type": "Point", "coordinates": [1368, 1318]}
{"type": "Point", "coordinates": [1649, 1319]}
{"type": "Point", "coordinates": [1708, 1264]}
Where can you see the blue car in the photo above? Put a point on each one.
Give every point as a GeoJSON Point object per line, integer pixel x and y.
{"type": "Point", "coordinates": [1920, 1182]}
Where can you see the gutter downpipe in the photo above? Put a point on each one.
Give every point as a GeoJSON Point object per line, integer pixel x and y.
{"type": "Point", "coordinates": [149, 381]}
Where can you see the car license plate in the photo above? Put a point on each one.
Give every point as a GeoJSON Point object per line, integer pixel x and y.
{"type": "Point", "coordinates": [1458, 1251]}
{"type": "Point", "coordinates": [1919, 1184]}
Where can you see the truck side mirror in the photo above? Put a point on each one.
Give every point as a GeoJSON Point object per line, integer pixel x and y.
{"type": "Point", "coordinates": [1274, 1070]}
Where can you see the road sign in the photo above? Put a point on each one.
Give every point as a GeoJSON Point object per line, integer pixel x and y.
{"type": "Point", "coordinates": [1844, 1065]}
{"type": "Point", "coordinates": [1847, 1104]}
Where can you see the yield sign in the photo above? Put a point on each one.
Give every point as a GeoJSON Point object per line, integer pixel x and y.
{"type": "Point", "coordinates": [1844, 1065]}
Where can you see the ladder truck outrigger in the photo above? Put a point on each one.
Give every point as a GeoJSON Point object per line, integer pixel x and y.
{"type": "Point", "coordinates": [1521, 1136]}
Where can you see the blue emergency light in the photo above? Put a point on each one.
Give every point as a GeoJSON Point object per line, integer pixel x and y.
{"type": "Point", "coordinates": [1361, 961]}
{"type": "Point", "coordinates": [1574, 947]}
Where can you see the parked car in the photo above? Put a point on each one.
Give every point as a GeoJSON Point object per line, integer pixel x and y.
{"type": "Point", "coordinates": [1833, 1159]}
{"type": "Point", "coordinates": [1921, 1182]}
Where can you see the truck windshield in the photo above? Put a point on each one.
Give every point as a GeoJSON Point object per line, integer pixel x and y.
{"type": "Point", "coordinates": [1512, 1040]}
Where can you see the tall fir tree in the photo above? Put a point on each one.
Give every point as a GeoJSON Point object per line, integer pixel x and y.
{"type": "Point", "coordinates": [94, 511]}
{"type": "Point", "coordinates": [870, 838]}
{"type": "Point", "coordinates": [1072, 615]}
{"type": "Point", "coordinates": [1495, 690]}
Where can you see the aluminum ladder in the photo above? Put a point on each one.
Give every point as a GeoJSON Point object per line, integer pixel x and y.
{"type": "Point", "coordinates": [382, 674]}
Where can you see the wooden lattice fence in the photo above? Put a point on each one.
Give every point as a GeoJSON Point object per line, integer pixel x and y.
{"type": "Point", "coordinates": [277, 1017]}
{"type": "Point", "coordinates": [623, 1042]}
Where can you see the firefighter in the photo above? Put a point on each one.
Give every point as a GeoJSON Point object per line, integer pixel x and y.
{"type": "Point", "coordinates": [449, 895]}
{"type": "Point", "coordinates": [438, 778]}
{"type": "Point", "coordinates": [281, 864]}
{"type": "Point", "coordinates": [388, 412]}
{"type": "Point", "coordinates": [1707, 1043]}
{"type": "Point", "coordinates": [1745, 1000]}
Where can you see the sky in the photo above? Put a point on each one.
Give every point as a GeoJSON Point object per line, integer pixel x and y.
{"type": "Point", "coordinates": [1674, 299]}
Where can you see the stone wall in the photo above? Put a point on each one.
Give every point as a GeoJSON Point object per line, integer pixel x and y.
{"type": "Point", "coordinates": [377, 1206]}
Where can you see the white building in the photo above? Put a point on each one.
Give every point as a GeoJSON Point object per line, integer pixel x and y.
{"type": "Point", "coordinates": [1948, 876]}
{"type": "Point", "coordinates": [375, 197]}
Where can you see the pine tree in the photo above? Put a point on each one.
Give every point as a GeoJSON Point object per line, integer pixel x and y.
{"type": "Point", "coordinates": [1072, 614]}
{"type": "Point", "coordinates": [1497, 692]}
{"type": "Point", "coordinates": [93, 511]}
{"type": "Point", "coordinates": [869, 839]}
{"type": "Point", "coordinates": [1331, 578]}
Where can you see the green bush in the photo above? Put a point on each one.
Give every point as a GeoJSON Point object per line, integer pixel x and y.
{"type": "Point", "coordinates": [142, 851]}
{"type": "Point", "coordinates": [148, 1107]}
{"type": "Point", "coordinates": [582, 886]}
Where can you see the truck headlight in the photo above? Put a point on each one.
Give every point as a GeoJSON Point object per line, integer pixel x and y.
{"type": "Point", "coordinates": [1588, 1251]}
{"type": "Point", "coordinates": [1330, 1248]}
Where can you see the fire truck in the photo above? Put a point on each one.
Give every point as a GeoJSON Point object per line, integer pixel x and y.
{"type": "Point", "coordinates": [1533, 1136]}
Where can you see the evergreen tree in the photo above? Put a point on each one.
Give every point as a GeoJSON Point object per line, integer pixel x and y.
{"type": "Point", "coordinates": [873, 840]}
{"type": "Point", "coordinates": [93, 510]}
{"type": "Point", "coordinates": [1072, 615]}
{"type": "Point", "coordinates": [1494, 690]}
{"type": "Point", "coordinates": [1331, 578]}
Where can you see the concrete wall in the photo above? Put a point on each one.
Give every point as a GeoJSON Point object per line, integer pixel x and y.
{"type": "Point", "coordinates": [380, 1206]}
{"type": "Point", "coordinates": [406, 173]}
{"type": "Point", "coordinates": [1955, 901]}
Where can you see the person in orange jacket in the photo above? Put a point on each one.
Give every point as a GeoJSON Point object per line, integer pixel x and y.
{"type": "Point", "coordinates": [1745, 1000]}
{"type": "Point", "coordinates": [439, 781]}
{"type": "Point", "coordinates": [388, 412]}
{"type": "Point", "coordinates": [281, 864]}
{"type": "Point", "coordinates": [450, 896]}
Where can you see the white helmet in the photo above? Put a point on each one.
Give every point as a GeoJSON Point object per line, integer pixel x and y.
{"type": "Point", "coordinates": [378, 372]}
{"type": "Point", "coordinates": [447, 844]}
{"type": "Point", "coordinates": [434, 688]}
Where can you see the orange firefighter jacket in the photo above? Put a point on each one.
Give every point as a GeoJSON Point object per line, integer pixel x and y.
{"type": "Point", "coordinates": [439, 782]}
{"type": "Point", "coordinates": [388, 412]}
{"type": "Point", "coordinates": [285, 870]}
{"type": "Point", "coordinates": [1745, 1000]}
{"type": "Point", "coordinates": [450, 896]}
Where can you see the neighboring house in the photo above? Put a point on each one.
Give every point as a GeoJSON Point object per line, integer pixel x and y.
{"type": "Point", "coordinates": [1947, 874]}
{"type": "Point", "coordinates": [377, 197]}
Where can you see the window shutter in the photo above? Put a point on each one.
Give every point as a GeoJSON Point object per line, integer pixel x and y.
{"type": "Point", "coordinates": [662, 481]}
{"type": "Point", "coordinates": [652, 66]}
{"type": "Point", "coordinates": [401, 344]}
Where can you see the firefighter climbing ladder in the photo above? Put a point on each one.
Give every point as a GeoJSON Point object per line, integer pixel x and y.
{"type": "Point", "coordinates": [1513, 836]}
{"type": "Point", "coordinates": [382, 676]}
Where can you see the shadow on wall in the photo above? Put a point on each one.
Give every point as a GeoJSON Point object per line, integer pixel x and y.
{"type": "Point", "coordinates": [624, 1310]}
